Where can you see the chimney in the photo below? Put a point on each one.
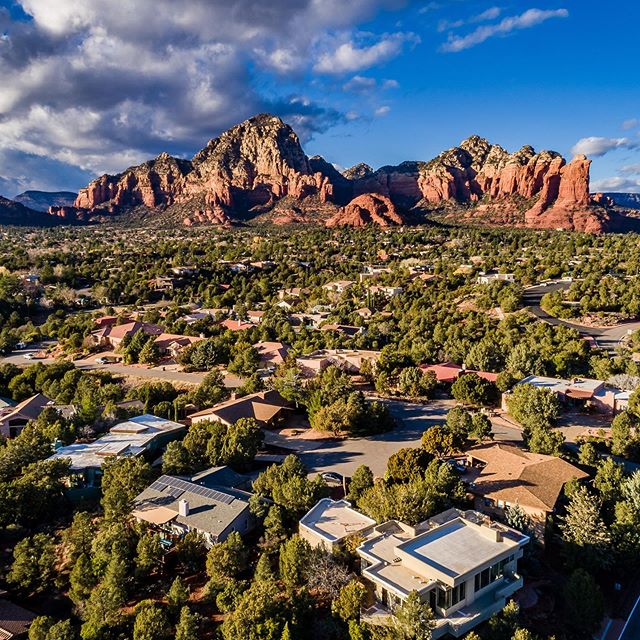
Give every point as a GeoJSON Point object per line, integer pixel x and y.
{"type": "Point", "coordinates": [234, 395]}
{"type": "Point", "coordinates": [183, 508]}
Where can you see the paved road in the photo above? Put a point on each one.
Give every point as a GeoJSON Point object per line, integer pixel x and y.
{"type": "Point", "coordinates": [631, 629]}
{"type": "Point", "coordinates": [17, 358]}
{"type": "Point", "coordinates": [606, 337]}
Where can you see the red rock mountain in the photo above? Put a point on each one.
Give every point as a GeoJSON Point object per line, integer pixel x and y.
{"type": "Point", "coordinates": [259, 166]}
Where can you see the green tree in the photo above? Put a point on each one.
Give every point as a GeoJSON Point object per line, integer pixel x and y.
{"type": "Point", "coordinates": [480, 427]}
{"type": "Point", "coordinates": [294, 555]}
{"type": "Point", "coordinates": [33, 567]}
{"type": "Point", "coordinates": [79, 536]}
{"type": "Point", "coordinates": [178, 595]}
{"type": "Point", "coordinates": [609, 480]}
{"type": "Point", "coordinates": [188, 625]}
{"type": "Point", "coordinates": [438, 441]}
{"type": "Point", "coordinates": [588, 454]}
{"type": "Point", "coordinates": [505, 623]}
{"type": "Point", "coordinates": [470, 388]}
{"type": "Point", "coordinates": [104, 608]}
{"type": "Point", "coordinates": [150, 623]}
{"type": "Point", "coordinates": [533, 406]}
{"type": "Point", "coordinates": [149, 354]}
{"type": "Point", "coordinates": [406, 463]}
{"type": "Point", "coordinates": [39, 629]}
{"type": "Point", "coordinates": [82, 580]}
{"type": "Point", "coordinates": [62, 630]}
{"type": "Point", "coordinates": [361, 480]}
{"type": "Point", "coordinates": [123, 479]}
{"type": "Point", "coordinates": [583, 603]}
{"type": "Point", "coordinates": [226, 560]}
{"type": "Point", "coordinates": [413, 619]}
{"type": "Point", "coordinates": [622, 430]}
{"type": "Point", "coordinates": [264, 570]}
{"type": "Point", "coordinates": [350, 600]}
{"type": "Point", "coordinates": [149, 553]}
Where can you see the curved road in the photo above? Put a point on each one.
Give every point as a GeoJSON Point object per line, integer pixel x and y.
{"type": "Point", "coordinates": [607, 338]}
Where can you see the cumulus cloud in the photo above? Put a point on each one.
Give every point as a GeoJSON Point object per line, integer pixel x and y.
{"type": "Point", "coordinates": [599, 145]}
{"type": "Point", "coordinates": [356, 54]}
{"type": "Point", "coordinates": [616, 183]}
{"type": "Point", "coordinates": [91, 87]}
{"type": "Point", "coordinates": [526, 20]}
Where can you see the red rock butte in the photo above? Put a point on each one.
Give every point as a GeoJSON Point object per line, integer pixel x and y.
{"type": "Point", "coordinates": [259, 166]}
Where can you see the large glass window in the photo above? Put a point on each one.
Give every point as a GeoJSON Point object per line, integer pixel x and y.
{"type": "Point", "coordinates": [493, 573]}
{"type": "Point", "coordinates": [449, 597]}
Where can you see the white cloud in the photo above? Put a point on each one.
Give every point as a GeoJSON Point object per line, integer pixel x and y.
{"type": "Point", "coordinates": [366, 84]}
{"type": "Point", "coordinates": [631, 123]}
{"type": "Point", "coordinates": [526, 20]}
{"type": "Point", "coordinates": [351, 56]}
{"type": "Point", "coordinates": [489, 14]}
{"type": "Point", "coordinates": [631, 169]}
{"type": "Point", "coordinates": [382, 111]}
{"type": "Point", "coordinates": [97, 88]}
{"type": "Point", "coordinates": [599, 145]}
{"type": "Point", "coordinates": [616, 183]}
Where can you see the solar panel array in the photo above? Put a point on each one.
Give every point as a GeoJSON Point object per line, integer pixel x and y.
{"type": "Point", "coordinates": [176, 487]}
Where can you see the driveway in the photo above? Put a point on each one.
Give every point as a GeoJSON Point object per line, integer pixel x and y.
{"type": "Point", "coordinates": [344, 456]}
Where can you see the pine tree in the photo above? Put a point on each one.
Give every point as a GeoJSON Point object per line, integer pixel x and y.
{"type": "Point", "coordinates": [294, 554]}
{"type": "Point", "coordinates": [187, 628]}
{"type": "Point", "coordinates": [149, 553]}
{"type": "Point", "coordinates": [264, 570]}
{"type": "Point", "coordinates": [414, 619]}
{"type": "Point", "coordinates": [82, 580]}
{"type": "Point", "coordinates": [150, 623]}
{"type": "Point", "coordinates": [178, 595]}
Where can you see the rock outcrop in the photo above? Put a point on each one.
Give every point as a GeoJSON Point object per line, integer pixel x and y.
{"type": "Point", "coordinates": [369, 208]}
{"type": "Point", "coordinates": [258, 168]}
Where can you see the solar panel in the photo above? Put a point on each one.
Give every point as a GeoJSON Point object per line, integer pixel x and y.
{"type": "Point", "coordinates": [170, 485]}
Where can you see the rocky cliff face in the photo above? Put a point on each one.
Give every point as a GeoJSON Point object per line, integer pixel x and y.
{"type": "Point", "coordinates": [369, 208]}
{"type": "Point", "coordinates": [259, 166]}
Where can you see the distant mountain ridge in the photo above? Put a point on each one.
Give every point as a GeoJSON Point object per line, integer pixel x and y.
{"type": "Point", "coordinates": [258, 169]}
{"type": "Point", "coordinates": [626, 200]}
{"type": "Point", "coordinates": [14, 213]}
{"type": "Point", "coordinates": [42, 200]}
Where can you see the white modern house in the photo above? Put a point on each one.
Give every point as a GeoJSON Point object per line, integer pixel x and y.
{"type": "Point", "coordinates": [331, 522]}
{"type": "Point", "coordinates": [460, 562]}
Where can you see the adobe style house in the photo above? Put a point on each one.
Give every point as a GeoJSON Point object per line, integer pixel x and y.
{"type": "Point", "coordinates": [145, 434]}
{"type": "Point", "coordinates": [170, 344]}
{"type": "Point", "coordinates": [579, 393]}
{"type": "Point", "coordinates": [349, 360]}
{"type": "Point", "coordinates": [174, 506]}
{"type": "Point", "coordinates": [14, 619]}
{"type": "Point", "coordinates": [459, 562]}
{"type": "Point", "coordinates": [449, 372]}
{"type": "Point", "coordinates": [267, 408]}
{"type": "Point", "coordinates": [113, 335]}
{"type": "Point", "coordinates": [503, 475]}
{"type": "Point", "coordinates": [271, 353]}
{"type": "Point", "coordinates": [488, 278]}
{"type": "Point", "coordinates": [14, 419]}
{"type": "Point", "coordinates": [329, 523]}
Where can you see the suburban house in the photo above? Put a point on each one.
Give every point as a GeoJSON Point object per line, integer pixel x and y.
{"type": "Point", "coordinates": [271, 353]}
{"type": "Point", "coordinates": [267, 408]}
{"type": "Point", "coordinates": [170, 344]}
{"type": "Point", "coordinates": [449, 372]}
{"type": "Point", "coordinates": [372, 271]}
{"type": "Point", "coordinates": [345, 329]}
{"type": "Point", "coordinates": [255, 316]}
{"type": "Point", "coordinates": [134, 437]}
{"type": "Point", "coordinates": [503, 475]}
{"type": "Point", "coordinates": [175, 506]}
{"type": "Point", "coordinates": [460, 562]}
{"type": "Point", "coordinates": [580, 393]}
{"type": "Point", "coordinates": [488, 278]}
{"type": "Point", "coordinates": [349, 360]}
{"type": "Point", "coordinates": [14, 419]}
{"type": "Point", "coordinates": [365, 312]}
{"type": "Point", "coordinates": [14, 619]}
{"type": "Point", "coordinates": [386, 291]}
{"type": "Point", "coordinates": [339, 286]}
{"type": "Point", "coordinates": [330, 522]}
{"type": "Point", "coordinates": [113, 335]}
{"type": "Point", "coordinates": [293, 292]}
{"type": "Point", "coordinates": [236, 325]}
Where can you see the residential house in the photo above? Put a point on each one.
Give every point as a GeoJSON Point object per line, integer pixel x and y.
{"type": "Point", "coordinates": [349, 360]}
{"type": "Point", "coordinates": [449, 372]}
{"type": "Point", "coordinates": [255, 316]}
{"type": "Point", "coordinates": [134, 437]}
{"type": "Point", "coordinates": [330, 522]}
{"type": "Point", "coordinates": [271, 353]}
{"type": "Point", "coordinates": [345, 329]}
{"type": "Point", "coordinates": [174, 506]}
{"type": "Point", "coordinates": [459, 562]}
{"type": "Point", "coordinates": [267, 408]}
{"type": "Point", "coordinates": [170, 344]}
{"type": "Point", "coordinates": [184, 272]}
{"type": "Point", "coordinates": [165, 283]}
{"type": "Point", "coordinates": [386, 291]}
{"type": "Point", "coordinates": [113, 335]}
{"type": "Point", "coordinates": [339, 286]}
{"type": "Point", "coordinates": [293, 292]}
{"type": "Point", "coordinates": [236, 325]}
{"type": "Point", "coordinates": [488, 278]}
{"type": "Point", "coordinates": [14, 619]}
{"type": "Point", "coordinates": [365, 312]}
{"type": "Point", "coordinates": [503, 475]}
{"type": "Point", "coordinates": [579, 393]}
{"type": "Point", "coordinates": [14, 419]}
{"type": "Point", "coordinates": [372, 271]}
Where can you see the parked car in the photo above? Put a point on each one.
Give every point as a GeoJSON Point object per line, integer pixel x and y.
{"type": "Point", "coordinates": [21, 345]}
{"type": "Point", "coordinates": [330, 477]}
{"type": "Point", "coordinates": [457, 466]}
{"type": "Point", "coordinates": [29, 356]}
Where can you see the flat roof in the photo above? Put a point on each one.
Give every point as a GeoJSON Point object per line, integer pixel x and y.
{"type": "Point", "coordinates": [586, 385]}
{"type": "Point", "coordinates": [335, 520]}
{"type": "Point", "coordinates": [458, 547]}
{"type": "Point", "coordinates": [127, 439]}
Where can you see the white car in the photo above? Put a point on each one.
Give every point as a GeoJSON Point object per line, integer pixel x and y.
{"type": "Point", "coordinates": [21, 345]}
{"type": "Point", "coordinates": [29, 356]}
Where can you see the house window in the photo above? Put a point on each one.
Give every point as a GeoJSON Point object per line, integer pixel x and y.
{"type": "Point", "coordinates": [447, 598]}
{"type": "Point", "coordinates": [491, 574]}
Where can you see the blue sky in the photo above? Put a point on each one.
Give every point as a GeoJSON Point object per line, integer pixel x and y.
{"type": "Point", "coordinates": [95, 86]}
